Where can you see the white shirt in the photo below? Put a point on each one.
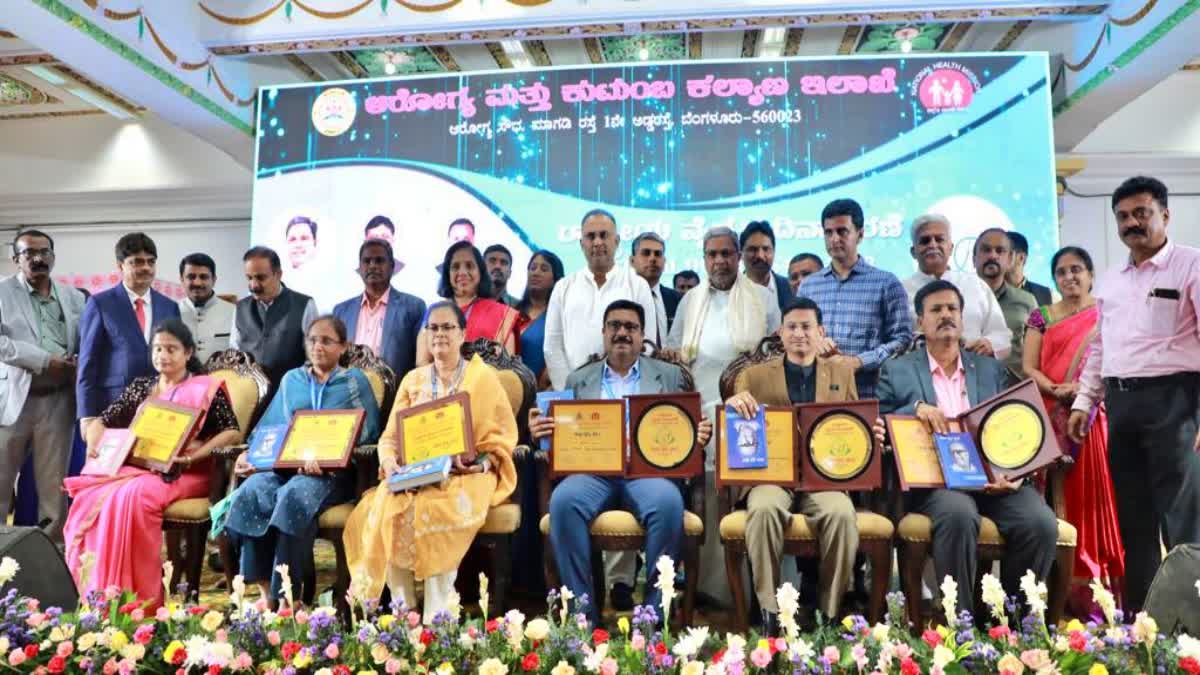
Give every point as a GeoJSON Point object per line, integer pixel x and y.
{"type": "Point", "coordinates": [310, 315]}
{"type": "Point", "coordinates": [575, 317]}
{"type": "Point", "coordinates": [210, 323]}
{"type": "Point", "coordinates": [982, 316]}
{"type": "Point", "coordinates": [147, 307]}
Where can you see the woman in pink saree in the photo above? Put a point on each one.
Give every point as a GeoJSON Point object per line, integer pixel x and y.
{"type": "Point", "coordinates": [118, 519]}
{"type": "Point", "coordinates": [1058, 338]}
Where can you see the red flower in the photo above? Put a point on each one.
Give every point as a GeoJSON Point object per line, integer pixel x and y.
{"type": "Point", "coordinates": [127, 607]}
{"type": "Point", "coordinates": [660, 648]}
{"type": "Point", "coordinates": [719, 655]}
{"type": "Point", "coordinates": [931, 638]}
{"type": "Point", "coordinates": [285, 612]}
{"type": "Point", "coordinates": [197, 611]}
{"type": "Point", "coordinates": [530, 662]}
{"type": "Point", "coordinates": [426, 637]}
{"type": "Point", "coordinates": [1078, 640]}
{"type": "Point", "coordinates": [491, 625]}
{"type": "Point", "coordinates": [599, 636]}
{"type": "Point", "coordinates": [180, 657]}
{"type": "Point", "coordinates": [999, 632]}
{"type": "Point", "coordinates": [1189, 665]}
{"type": "Point", "coordinates": [214, 669]}
{"type": "Point", "coordinates": [57, 664]}
{"type": "Point", "coordinates": [908, 667]}
{"type": "Point", "coordinates": [31, 651]}
{"type": "Point", "coordinates": [341, 669]}
{"type": "Point", "coordinates": [288, 650]}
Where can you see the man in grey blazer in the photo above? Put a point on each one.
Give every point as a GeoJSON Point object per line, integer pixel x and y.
{"type": "Point", "coordinates": [578, 499]}
{"type": "Point", "coordinates": [937, 383]}
{"type": "Point", "coordinates": [39, 345]}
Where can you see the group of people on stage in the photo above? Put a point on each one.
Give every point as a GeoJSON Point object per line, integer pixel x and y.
{"type": "Point", "coordinates": [1115, 358]}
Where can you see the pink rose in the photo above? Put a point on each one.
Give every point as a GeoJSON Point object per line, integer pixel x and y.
{"type": "Point", "coordinates": [126, 666]}
{"type": "Point", "coordinates": [761, 658]}
{"type": "Point", "coordinates": [638, 642]}
{"type": "Point", "coordinates": [163, 615]}
{"type": "Point", "coordinates": [144, 634]}
{"type": "Point", "coordinates": [16, 657]}
{"type": "Point", "coordinates": [903, 651]}
{"type": "Point", "coordinates": [608, 666]}
{"type": "Point", "coordinates": [331, 652]}
{"type": "Point", "coordinates": [302, 617]}
{"type": "Point", "coordinates": [32, 604]}
{"type": "Point", "coordinates": [273, 638]}
{"type": "Point", "coordinates": [937, 670]}
{"type": "Point", "coordinates": [36, 619]}
{"type": "Point", "coordinates": [111, 593]}
{"type": "Point", "coordinates": [781, 645]}
{"type": "Point", "coordinates": [392, 666]}
{"type": "Point", "coordinates": [110, 667]}
{"type": "Point", "coordinates": [65, 649]}
{"type": "Point", "coordinates": [832, 654]}
{"type": "Point", "coordinates": [243, 662]}
{"type": "Point", "coordinates": [1036, 659]}
{"type": "Point", "coordinates": [138, 615]}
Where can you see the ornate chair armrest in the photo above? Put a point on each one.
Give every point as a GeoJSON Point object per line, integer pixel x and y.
{"type": "Point", "coordinates": [697, 495]}
{"type": "Point", "coordinates": [364, 462]}
{"type": "Point", "coordinates": [725, 501]}
{"type": "Point", "coordinates": [221, 476]}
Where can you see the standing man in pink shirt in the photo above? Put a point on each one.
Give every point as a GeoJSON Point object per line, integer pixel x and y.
{"type": "Point", "coordinates": [1145, 366]}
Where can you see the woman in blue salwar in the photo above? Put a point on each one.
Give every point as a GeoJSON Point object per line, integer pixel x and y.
{"type": "Point", "coordinates": [273, 514]}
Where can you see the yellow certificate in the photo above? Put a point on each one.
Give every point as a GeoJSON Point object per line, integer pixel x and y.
{"type": "Point", "coordinates": [162, 430]}
{"type": "Point", "coordinates": [1011, 435]}
{"type": "Point", "coordinates": [665, 435]}
{"type": "Point", "coordinates": [916, 453]}
{"type": "Point", "coordinates": [589, 437]}
{"type": "Point", "coordinates": [840, 446]}
{"type": "Point", "coordinates": [436, 429]}
{"type": "Point", "coordinates": [781, 469]}
{"type": "Point", "coordinates": [324, 436]}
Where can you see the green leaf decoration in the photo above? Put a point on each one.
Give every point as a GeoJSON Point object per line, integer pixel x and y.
{"type": "Point", "coordinates": [287, 10]}
{"type": "Point", "coordinates": [933, 30]}
{"type": "Point", "coordinates": [1108, 32]}
{"type": "Point", "coordinates": [923, 43]}
{"type": "Point", "coordinates": [876, 45]}
{"type": "Point", "coordinates": [383, 6]}
{"type": "Point", "coordinates": [881, 33]}
{"type": "Point", "coordinates": [141, 26]}
{"type": "Point", "coordinates": [208, 75]}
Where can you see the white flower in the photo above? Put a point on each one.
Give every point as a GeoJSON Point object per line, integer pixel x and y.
{"type": "Point", "coordinates": [689, 644]}
{"type": "Point", "coordinates": [537, 629]}
{"type": "Point", "coordinates": [1035, 594]}
{"type": "Point", "coordinates": [483, 595]}
{"type": "Point", "coordinates": [788, 599]}
{"type": "Point", "coordinates": [1061, 644]}
{"type": "Point", "coordinates": [454, 604]}
{"type": "Point", "coordinates": [1115, 633]}
{"type": "Point", "coordinates": [197, 651]}
{"type": "Point", "coordinates": [286, 582]}
{"type": "Point", "coordinates": [689, 668]}
{"type": "Point", "coordinates": [715, 669]}
{"type": "Point", "coordinates": [493, 666]}
{"type": "Point", "coordinates": [666, 584]}
{"type": "Point", "coordinates": [238, 592]}
{"type": "Point", "coordinates": [734, 643]}
{"type": "Point", "coordinates": [1103, 597]}
{"type": "Point", "coordinates": [592, 661]}
{"type": "Point", "coordinates": [942, 656]}
{"type": "Point", "coordinates": [993, 596]}
{"type": "Point", "coordinates": [1188, 646]}
{"type": "Point", "coordinates": [466, 641]}
{"type": "Point", "coordinates": [565, 597]}
{"type": "Point", "coordinates": [880, 632]}
{"type": "Point", "coordinates": [1145, 628]}
{"type": "Point", "coordinates": [168, 569]}
{"type": "Point", "coordinates": [563, 668]}
{"type": "Point", "coordinates": [799, 648]}
{"type": "Point", "coordinates": [949, 599]}
{"type": "Point", "coordinates": [8, 570]}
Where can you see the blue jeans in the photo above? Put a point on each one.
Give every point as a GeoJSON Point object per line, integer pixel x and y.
{"type": "Point", "coordinates": [657, 503]}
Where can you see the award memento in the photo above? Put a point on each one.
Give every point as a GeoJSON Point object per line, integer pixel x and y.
{"type": "Point", "coordinates": [163, 430]}
{"type": "Point", "coordinates": [111, 451]}
{"type": "Point", "coordinates": [428, 472]}
{"type": "Point", "coordinates": [440, 427]}
{"type": "Point", "coordinates": [782, 468]}
{"type": "Point", "coordinates": [588, 437]}
{"type": "Point", "coordinates": [961, 466]}
{"type": "Point", "coordinates": [543, 403]}
{"type": "Point", "coordinates": [746, 438]}
{"type": "Point", "coordinates": [915, 452]}
{"type": "Point", "coordinates": [837, 447]}
{"type": "Point", "coordinates": [663, 436]}
{"type": "Point", "coordinates": [324, 436]}
{"type": "Point", "coordinates": [265, 443]}
{"type": "Point", "coordinates": [1013, 433]}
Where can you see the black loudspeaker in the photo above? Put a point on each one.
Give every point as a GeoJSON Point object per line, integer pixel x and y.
{"type": "Point", "coordinates": [43, 574]}
{"type": "Point", "coordinates": [1174, 599]}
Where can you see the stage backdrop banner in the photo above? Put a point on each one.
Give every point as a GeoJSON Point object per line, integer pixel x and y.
{"type": "Point", "coordinates": [675, 148]}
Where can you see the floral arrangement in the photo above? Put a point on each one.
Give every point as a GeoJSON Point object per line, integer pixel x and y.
{"type": "Point", "coordinates": [112, 633]}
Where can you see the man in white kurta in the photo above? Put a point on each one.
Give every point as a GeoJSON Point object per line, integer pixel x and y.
{"type": "Point", "coordinates": [715, 323]}
{"type": "Point", "coordinates": [984, 329]}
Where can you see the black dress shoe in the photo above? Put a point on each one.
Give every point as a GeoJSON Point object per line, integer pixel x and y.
{"type": "Point", "coordinates": [621, 597]}
{"type": "Point", "coordinates": [770, 624]}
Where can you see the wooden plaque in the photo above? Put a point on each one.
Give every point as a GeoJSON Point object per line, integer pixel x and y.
{"type": "Point", "coordinates": [915, 452]}
{"type": "Point", "coordinates": [837, 446]}
{"type": "Point", "coordinates": [327, 436]}
{"type": "Point", "coordinates": [589, 437]}
{"type": "Point", "coordinates": [783, 466]}
{"type": "Point", "coordinates": [1013, 432]}
{"type": "Point", "coordinates": [662, 436]}
{"type": "Point", "coordinates": [434, 429]}
{"type": "Point", "coordinates": [163, 430]}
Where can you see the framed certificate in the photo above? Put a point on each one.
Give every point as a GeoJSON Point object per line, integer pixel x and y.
{"type": "Point", "coordinates": [589, 437]}
{"type": "Point", "coordinates": [436, 429]}
{"type": "Point", "coordinates": [783, 467]}
{"type": "Point", "coordinates": [327, 436]}
{"type": "Point", "coordinates": [111, 451]}
{"type": "Point", "coordinates": [837, 446]}
{"type": "Point", "coordinates": [163, 429]}
{"type": "Point", "coordinates": [1013, 433]}
{"type": "Point", "coordinates": [915, 452]}
{"type": "Point", "coordinates": [663, 436]}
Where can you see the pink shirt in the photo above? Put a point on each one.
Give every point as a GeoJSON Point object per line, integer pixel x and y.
{"type": "Point", "coordinates": [1142, 333]}
{"type": "Point", "coordinates": [951, 391]}
{"type": "Point", "coordinates": [370, 323]}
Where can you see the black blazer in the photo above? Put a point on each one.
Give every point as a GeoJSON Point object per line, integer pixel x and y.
{"type": "Point", "coordinates": [784, 290]}
{"type": "Point", "coordinates": [670, 298]}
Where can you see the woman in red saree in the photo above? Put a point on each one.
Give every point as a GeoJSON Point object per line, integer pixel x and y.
{"type": "Point", "coordinates": [118, 519]}
{"type": "Point", "coordinates": [1058, 339]}
{"type": "Point", "coordinates": [465, 281]}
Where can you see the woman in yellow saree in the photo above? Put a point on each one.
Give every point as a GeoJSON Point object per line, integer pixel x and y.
{"type": "Point", "coordinates": [397, 538]}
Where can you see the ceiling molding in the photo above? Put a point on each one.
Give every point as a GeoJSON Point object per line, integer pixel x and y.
{"type": "Point", "coordinates": [58, 113]}
{"type": "Point", "coordinates": [850, 40]}
{"type": "Point", "coordinates": [347, 61]}
{"type": "Point", "coordinates": [119, 101]}
{"type": "Point", "coordinates": [28, 60]}
{"type": "Point", "coordinates": [791, 43]}
{"type": "Point", "coordinates": [445, 58]}
{"type": "Point", "coordinates": [695, 45]}
{"type": "Point", "coordinates": [594, 51]}
{"type": "Point", "coordinates": [302, 66]}
{"type": "Point", "coordinates": [122, 206]}
{"type": "Point", "coordinates": [537, 53]}
{"type": "Point", "coordinates": [955, 37]}
{"type": "Point", "coordinates": [498, 55]}
{"type": "Point", "coordinates": [1011, 35]}
{"type": "Point", "coordinates": [750, 40]}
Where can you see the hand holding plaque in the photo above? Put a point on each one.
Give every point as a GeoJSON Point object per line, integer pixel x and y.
{"type": "Point", "coordinates": [163, 430]}
{"type": "Point", "coordinates": [326, 437]}
{"type": "Point", "coordinates": [838, 446]}
{"type": "Point", "coordinates": [436, 429]}
{"type": "Point", "coordinates": [588, 437]}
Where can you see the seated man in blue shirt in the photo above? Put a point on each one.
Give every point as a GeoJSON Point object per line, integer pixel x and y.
{"type": "Point", "coordinates": [578, 499]}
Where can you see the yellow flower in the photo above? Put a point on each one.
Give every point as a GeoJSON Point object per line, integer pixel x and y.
{"type": "Point", "coordinates": [380, 653]}
{"type": "Point", "coordinates": [493, 666]}
{"type": "Point", "coordinates": [763, 644]}
{"type": "Point", "coordinates": [118, 641]}
{"type": "Point", "coordinates": [169, 652]}
{"type": "Point", "coordinates": [386, 621]}
{"type": "Point", "coordinates": [211, 621]}
{"type": "Point", "coordinates": [303, 659]}
{"type": "Point", "coordinates": [324, 671]}
{"type": "Point", "coordinates": [1010, 663]}
{"type": "Point", "coordinates": [623, 625]}
{"type": "Point", "coordinates": [134, 652]}
{"type": "Point", "coordinates": [87, 641]}
{"type": "Point", "coordinates": [692, 668]}
{"type": "Point", "coordinates": [847, 623]}
{"type": "Point", "coordinates": [1097, 669]}
{"type": "Point", "coordinates": [943, 631]}
{"type": "Point", "coordinates": [563, 668]}
{"type": "Point", "coordinates": [445, 669]}
{"type": "Point", "coordinates": [537, 629]}
{"type": "Point", "coordinates": [1075, 625]}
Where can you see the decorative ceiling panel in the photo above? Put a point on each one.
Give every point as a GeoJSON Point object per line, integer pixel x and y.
{"type": "Point", "coordinates": [891, 37]}
{"type": "Point", "coordinates": [397, 61]}
{"type": "Point", "coordinates": [14, 93]}
{"type": "Point", "coordinates": [627, 48]}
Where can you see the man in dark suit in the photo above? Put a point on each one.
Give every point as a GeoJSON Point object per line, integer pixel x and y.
{"type": "Point", "coordinates": [757, 242]}
{"type": "Point", "coordinates": [1016, 273]}
{"type": "Point", "coordinates": [937, 383]}
{"type": "Point", "coordinates": [580, 498]}
{"type": "Point", "coordinates": [649, 259]}
{"type": "Point", "coordinates": [114, 329]}
{"type": "Point", "coordinates": [382, 318]}
{"type": "Point", "coordinates": [270, 323]}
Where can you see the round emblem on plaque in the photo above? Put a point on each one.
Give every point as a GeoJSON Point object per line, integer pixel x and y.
{"type": "Point", "coordinates": [839, 446]}
{"type": "Point", "coordinates": [1011, 434]}
{"type": "Point", "coordinates": [665, 435]}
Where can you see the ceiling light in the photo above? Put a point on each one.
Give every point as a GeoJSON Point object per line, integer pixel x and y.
{"type": "Point", "coordinates": [389, 68]}
{"type": "Point", "coordinates": [643, 54]}
{"type": "Point", "coordinates": [906, 46]}
{"type": "Point", "coordinates": [515, 50]}
{"type": "Point", "coordinates": [101, 103]}
{"type": "Point", "coordinates": [47, 74]}
{"type": "Point", "coordinates": [771, 45]}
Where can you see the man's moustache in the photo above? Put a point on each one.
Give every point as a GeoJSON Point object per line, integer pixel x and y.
{"type": "Point", "coordinates": [1135, 230]}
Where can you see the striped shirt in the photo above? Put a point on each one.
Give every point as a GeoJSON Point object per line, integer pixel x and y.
{"type": "Point", "coordinates": [866, 314]}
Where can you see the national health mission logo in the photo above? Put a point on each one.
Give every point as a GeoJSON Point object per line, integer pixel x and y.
{"type": "Point", "coordinates": [333, 111]}
{"type": "Point", "coordinates": [945, 86]}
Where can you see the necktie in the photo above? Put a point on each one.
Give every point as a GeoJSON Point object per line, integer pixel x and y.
{"type": "Point", "coordinates": [139, 308]}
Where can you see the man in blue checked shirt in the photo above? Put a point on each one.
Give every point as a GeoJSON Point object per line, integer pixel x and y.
{"type": "Point", "coordinates": [867, 318]}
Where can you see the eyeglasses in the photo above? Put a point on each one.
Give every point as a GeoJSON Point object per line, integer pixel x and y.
{"type": "Point", "coordinates": [441, 327]}
{"type": "Point", "coordinates": [616, 326]}
{"type": "Point", "coordinates": [141, 262]}
{"type": "Point", "coordinates": [314, 340]}
{"type": "Point", "coordinates": [36, 253]}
